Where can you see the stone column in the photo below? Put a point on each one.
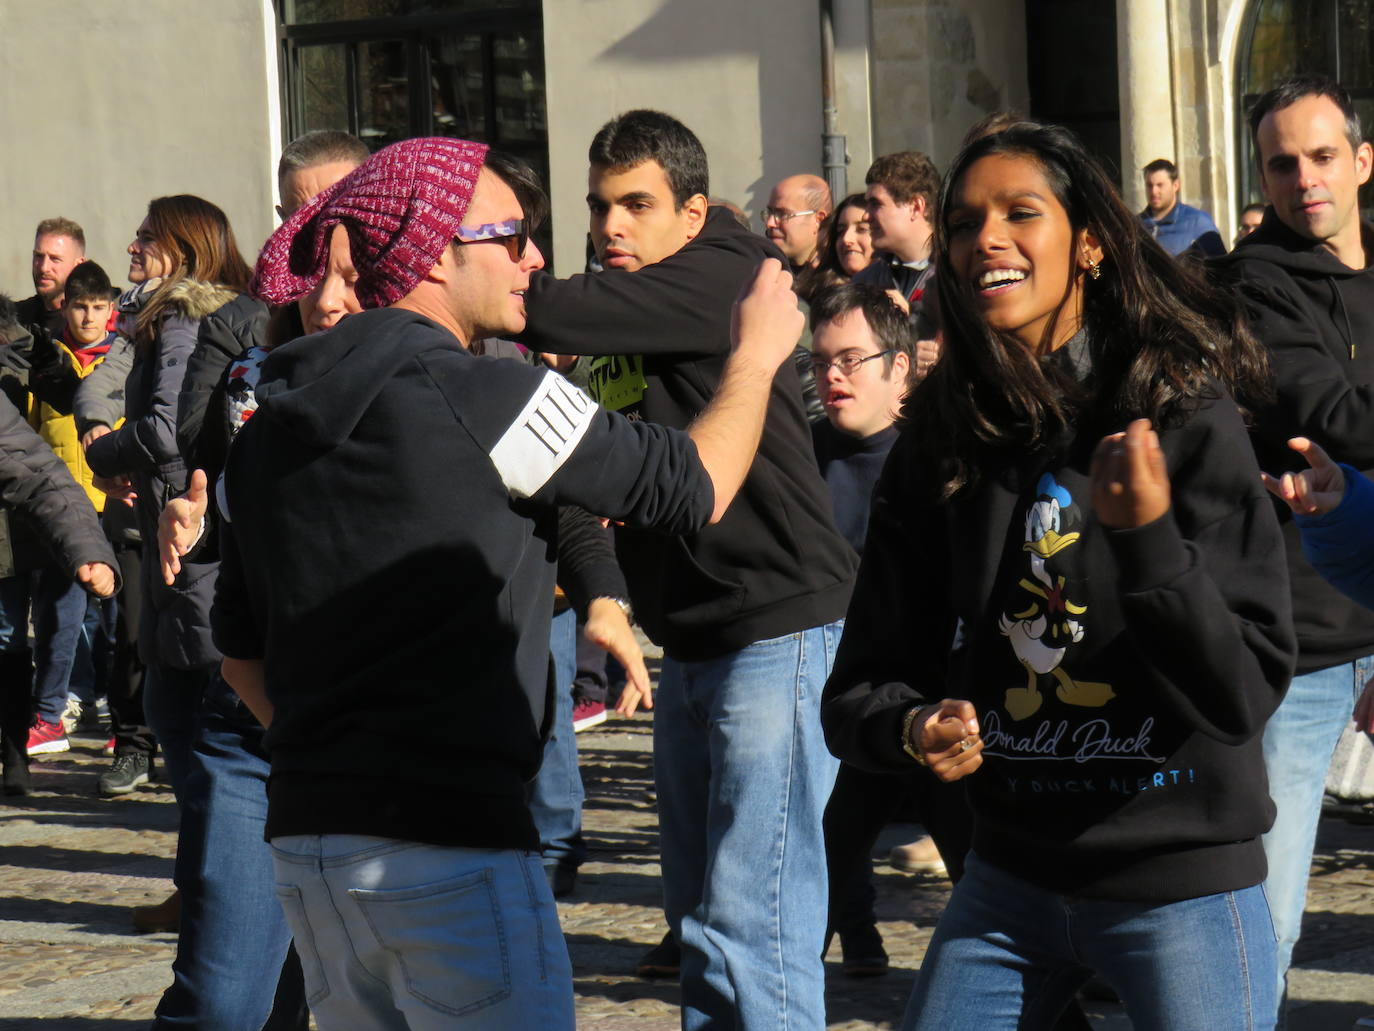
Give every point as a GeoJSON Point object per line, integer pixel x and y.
{"type": "Point", "coordinates": [1147, 96]}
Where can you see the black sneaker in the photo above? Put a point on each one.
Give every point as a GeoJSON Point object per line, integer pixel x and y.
{"type": "Point", "coordinates": [126, 774]}
{"type": "Point", "coordinates": [864, 955]}
{"type": "Point", "coordinates": [663, 960]}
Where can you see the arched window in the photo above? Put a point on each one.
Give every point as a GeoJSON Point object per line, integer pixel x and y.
{"type": "Point", "coordinates": [1289, 37]}
{"type": "Point", "coordinates": [386, 70]}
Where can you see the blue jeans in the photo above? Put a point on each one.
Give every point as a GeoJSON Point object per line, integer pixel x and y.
{"type": "Point", "coordinates": [743, 775]}
{"type": "Point", "coordinates": [1299, 740]}
{"type": "Point", "coordinates": [1008, 955]}
{"type": "Point", "coordinates": [233, 937]}
{"type": "Point", "coordinates": [171, 702]}
{"type": "Point", "coordinates": [556, 793]}
{"type": "Point", "coordinates": [93, 644]}
{"type": "Point", "coordinates": [402, 935]}
{"type": "Point", "coordinates": [59, 606]}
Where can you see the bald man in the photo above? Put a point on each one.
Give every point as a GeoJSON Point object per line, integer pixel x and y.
{"type": "Point", "coordinates": [796, 208]}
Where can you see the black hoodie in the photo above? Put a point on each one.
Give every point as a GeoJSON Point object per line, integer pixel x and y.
{"type": "Point", "coordinates": [775, 564]}
{"type": "Point", "coordinates": [389, 556]}
{"type": "Point", "coordinates": [1122, 678]}
{"type": "Point", "coordinates": [1316, 316]}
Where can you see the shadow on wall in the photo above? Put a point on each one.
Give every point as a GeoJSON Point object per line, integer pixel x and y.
{"type": "Point", "coordinates": [786, 50]}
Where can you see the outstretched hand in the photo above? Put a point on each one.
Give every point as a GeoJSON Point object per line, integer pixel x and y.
{"type": "Point", "coordinates": [765, 323]}
{"type": "Point", "coordinates": [947, 736]}
{"type": "Point", "coordinates": [1130, 481]}
{"type": "Point", "coordinates": [179, 526]}
{"type": "Point", "coordinates": [1314, 491]}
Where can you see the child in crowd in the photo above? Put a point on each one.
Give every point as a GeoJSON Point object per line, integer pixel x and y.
{"type": "Point", "coordinates": [1070, 545]}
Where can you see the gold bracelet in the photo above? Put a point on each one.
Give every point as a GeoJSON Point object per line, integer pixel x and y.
{"type": "Point", "coordinates": [907, 747]}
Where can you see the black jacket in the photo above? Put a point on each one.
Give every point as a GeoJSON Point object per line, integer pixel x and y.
{"type": "Point", "coordinates": [174, 628]}
{"type": "Point", "coordinates": [1122, 679]}
{"type": "Point", "coordinates": [1316, 316]}
{"type": "Point", "coordinates": [223, 336]}
{"type": "Point", "coordinates": [775, 564]}
{"type": "Point", "coordinates": [392, 509]}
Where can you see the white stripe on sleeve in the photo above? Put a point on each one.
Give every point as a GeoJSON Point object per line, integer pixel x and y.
{"type": "Point", "coordinates": [547, 430]}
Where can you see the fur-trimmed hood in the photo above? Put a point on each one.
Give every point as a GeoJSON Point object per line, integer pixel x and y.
{"type": "Point", "coordinates": [194, 299]}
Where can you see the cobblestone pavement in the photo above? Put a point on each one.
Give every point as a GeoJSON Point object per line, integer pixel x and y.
{"type": "Point", "coordinates": [73, 865]}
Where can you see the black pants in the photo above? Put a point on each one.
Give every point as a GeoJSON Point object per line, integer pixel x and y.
{"type": "Point", "coordinates": [130, 727]}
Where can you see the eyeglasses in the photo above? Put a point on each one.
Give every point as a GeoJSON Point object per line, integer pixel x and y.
{"type": "Point", "coordinates": [513, 232]}
{"type": "Point", "coordinates": [779, 215]}
{"type": "Point", "coordinates": [846, 363]}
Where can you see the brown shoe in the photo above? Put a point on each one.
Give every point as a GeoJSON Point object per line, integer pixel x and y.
{"type": "Point", "coordinates": [165, 916]}
{"type": "Point", "coordinates": [921, 856]}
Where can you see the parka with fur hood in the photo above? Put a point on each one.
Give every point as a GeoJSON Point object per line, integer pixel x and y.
{"type": "Point", "coordinates": [175, 626]}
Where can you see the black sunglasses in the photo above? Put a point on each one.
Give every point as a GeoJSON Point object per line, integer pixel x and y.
{"type": "Point", "coordinates": [513, 232]}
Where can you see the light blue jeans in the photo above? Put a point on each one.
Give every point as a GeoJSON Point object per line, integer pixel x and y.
{"type": "Point", "coordinates": [402, 935]}
{"type": "Point", "coordinates": [1299, 740]}
{"type": "Point", "coordinates": [1008, 955]}
{"type": "Point", "coordinates": [743, 775]}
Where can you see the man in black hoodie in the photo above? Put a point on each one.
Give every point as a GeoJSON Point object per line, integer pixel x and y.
{"type": "Point", "coordinates": [748, 612]}
{"type": "Point", "coordinates": [388, 569]}
{"type": "Point", "coordinates": [1305, 279]}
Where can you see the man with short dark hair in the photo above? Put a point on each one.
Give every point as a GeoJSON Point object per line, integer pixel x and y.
{"type": "Point", "coordinates": [901, 192]}
{"type": "Point", "coordinates": [1308, 288]}
{"type": "Point", "coordinates": [1177, 226]}
{"type": "Point", "coordinates": [748, 628]}
{"type": "Point", "coordinates": [404, 847]}
{"type": "Point", "coordinates": [59, 245]}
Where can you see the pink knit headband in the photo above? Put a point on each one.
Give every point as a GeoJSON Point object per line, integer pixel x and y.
{"type": "Point", "coordinates": [401, 208]}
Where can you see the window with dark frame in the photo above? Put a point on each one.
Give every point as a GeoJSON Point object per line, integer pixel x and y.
{"type": "Point", "coordinates": [1292, 37]}
{"type": "Point", "coordinates": [387, 70]}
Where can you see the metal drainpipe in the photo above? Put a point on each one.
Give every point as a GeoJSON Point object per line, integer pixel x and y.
{"type": "Point", "coordinates": [834, 156]}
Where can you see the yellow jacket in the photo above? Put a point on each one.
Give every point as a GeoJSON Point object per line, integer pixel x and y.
{"type": "Point", "coordinates": [59, 431]}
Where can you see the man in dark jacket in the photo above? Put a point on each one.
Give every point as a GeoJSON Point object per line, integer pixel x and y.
{"type": "Point", "coordinates": [387, 572]}
{"type": "Point", "coordinates": [748, 612]}
{"type": "Point", "coordinates": [59, 245]}
{"type": "Point", "coordinates": [1305, 279]}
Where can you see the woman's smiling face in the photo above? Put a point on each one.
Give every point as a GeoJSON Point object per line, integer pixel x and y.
{"type": "Point", "coordinates": [1016, 253]}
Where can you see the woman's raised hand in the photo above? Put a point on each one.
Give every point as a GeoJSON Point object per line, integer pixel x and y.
{"type": "Point", "coordinates": [1130, 482]}
{"type": "Point", "coordinates": [1313, 491]}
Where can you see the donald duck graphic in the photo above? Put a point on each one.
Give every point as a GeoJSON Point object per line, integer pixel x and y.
{"type": "Point", "coordinates": [1041, 632]}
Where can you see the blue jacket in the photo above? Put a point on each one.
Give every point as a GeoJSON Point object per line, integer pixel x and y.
{"type": "Point", "coordinates": [1340, 544]}
{"type": "Point", "coordinates": [1184, 227]}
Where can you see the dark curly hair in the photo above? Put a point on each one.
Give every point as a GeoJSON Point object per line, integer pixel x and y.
{"type": "Point", "coordinates": [1160, 334]}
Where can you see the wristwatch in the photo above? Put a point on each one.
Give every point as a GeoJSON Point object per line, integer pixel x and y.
{"type": "Point", "coordinates": [907, 746]}
{"type": "Point", "coordinates": [623, 604]}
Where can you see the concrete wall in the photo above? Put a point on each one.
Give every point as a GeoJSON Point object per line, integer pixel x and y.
{"type": "Point", "coordinates": [744, 77]}
{"type": "Point", "coordinates": [941, 65]}
{"type": "Point", "coordinates": [109, 105]}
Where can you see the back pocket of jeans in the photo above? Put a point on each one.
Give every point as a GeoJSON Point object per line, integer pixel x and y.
{"type": "Point", "coordinates": [304, 937]}
{"type": "Point", "coordinates": [447, 937]}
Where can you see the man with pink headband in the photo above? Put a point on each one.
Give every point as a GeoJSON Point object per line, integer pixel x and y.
{"type": "Point", "coordinates": [390, 512]}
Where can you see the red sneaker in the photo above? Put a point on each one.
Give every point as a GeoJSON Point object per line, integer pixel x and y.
{"type": "Point", "coordinates": [45, 737]}
{"type": "Point", "coordinates": [587, 715]}
{"type": "Point", "coordinates": [109, 747]}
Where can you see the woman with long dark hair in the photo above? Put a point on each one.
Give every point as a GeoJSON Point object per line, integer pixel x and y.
{"type": "Point", "coordinates": [848, 246]}
{"type": "Point", "coordinates": [1074, 595]}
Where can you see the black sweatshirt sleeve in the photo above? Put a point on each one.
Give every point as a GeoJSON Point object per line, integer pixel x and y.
{"type": "Point", "coordinates": [34, 481]}
{"type": "Point", "coordinates": [1204, 588]}
{"type": "Point", "coordinates": [680, 305]}
{"type": "Point", "coordinates": [898, 630]}
{"type": "Point", "coordinates": [552, 444]}
{"type": "Point", "coordinates": [587, 567]}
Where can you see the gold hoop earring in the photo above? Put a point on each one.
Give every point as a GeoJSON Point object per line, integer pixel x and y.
{"type": "Point", "coordinates": [1094, 269]}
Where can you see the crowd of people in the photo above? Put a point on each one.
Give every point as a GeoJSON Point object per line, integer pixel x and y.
{"type": "Point", "coordinates": [979, 497]}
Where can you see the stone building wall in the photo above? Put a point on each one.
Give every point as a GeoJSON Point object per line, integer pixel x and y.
{"type": "Point", "coordinates": [940, 65]}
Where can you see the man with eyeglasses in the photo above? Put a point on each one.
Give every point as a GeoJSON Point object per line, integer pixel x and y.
{"type": "Point", "coordinates": [797, 208]}
{"type": "Point", "coordinates": [387, 571]}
